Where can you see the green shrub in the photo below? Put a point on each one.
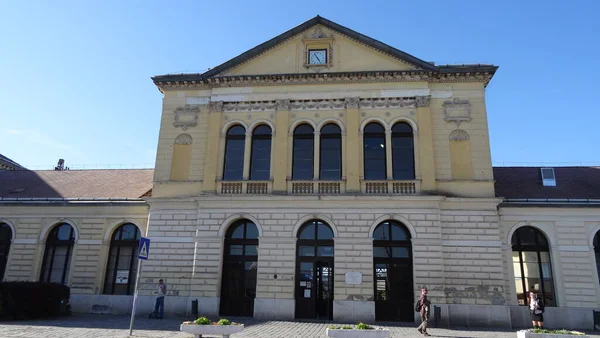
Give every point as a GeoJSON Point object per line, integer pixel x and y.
{"type": "Point", "coordinates": [363, 326]}
{"type": "Point", "coordinates": [575, 333]}
{"type": "Point", "coordinates": [224, 322]}
{"type": "Point", "coordinates": [31, 300]}
{"type": "Point", "coordinates": [333, 327]}
{"type": "Point", "coordinates": [347, 327]}
{"type": "Point", "coordinates": [202, 321]}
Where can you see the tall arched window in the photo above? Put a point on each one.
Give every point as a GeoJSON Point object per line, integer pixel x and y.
{"type": "Point", "coordinates": [303, 153]}
{"type": "Point", "coordinates": [314, 271]}
{"type": "Point", "coordinates": [374, 151]}
{"type": "Point", "coordinates": [233, 170]}
{"type": "Point", "coordinates": [122, 260]}
{"type": "Point", "coordinates": [403, 160]}
{"type": "Point", "coordinates": [5, 240]}
{"type": "Point", "coordinates": [260, 161]}
{"type": "Point", "coordinates": [57, 255]}
{"type": "Point", "coordinates": [238, 285]}
{"type": "Point", "coordinates": [392, 264]}
{"type": "Point", "coordinates": [330, 153]}
{"type": "Point", "coordinates": [531, 264]}
{"type": "Point", "coordinates": [597, 251]}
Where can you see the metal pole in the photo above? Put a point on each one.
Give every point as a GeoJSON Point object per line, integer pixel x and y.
{"type": "Point", "coordinates": [135, 295]}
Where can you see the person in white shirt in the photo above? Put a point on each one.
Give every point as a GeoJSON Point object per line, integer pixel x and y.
{"type": "Point", "coordinates": [161, 292]}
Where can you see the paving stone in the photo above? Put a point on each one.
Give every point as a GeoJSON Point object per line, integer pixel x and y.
{"type": "Point", "coordinates": [104, 326]}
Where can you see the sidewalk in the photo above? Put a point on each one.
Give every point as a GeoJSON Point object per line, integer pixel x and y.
{"type": "Point", "coordinates": [100, 326]}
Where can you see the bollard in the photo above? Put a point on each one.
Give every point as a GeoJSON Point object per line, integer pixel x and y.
{"type": "Point", "coordinates": [195, 309]}
{"type": "Point", "coordinates": [437, 316]}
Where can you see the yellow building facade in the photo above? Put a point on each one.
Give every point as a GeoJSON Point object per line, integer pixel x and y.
{"type": "Point", "coordinates": [326, 175]}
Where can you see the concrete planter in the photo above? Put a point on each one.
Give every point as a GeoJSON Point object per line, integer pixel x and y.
{"type": "Point", "coordinates": [219, 330]}
{"type": "Point", "coordinates": [375, 333]}
{"type": "Point", "coordinates": [529, 334]}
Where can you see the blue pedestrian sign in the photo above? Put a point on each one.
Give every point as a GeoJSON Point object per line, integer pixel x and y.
{"type": "Point", "coordinates": [144, 248]}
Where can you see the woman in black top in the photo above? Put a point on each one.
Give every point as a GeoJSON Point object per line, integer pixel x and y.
{"type": "Point", "coordinates": [536, 309]}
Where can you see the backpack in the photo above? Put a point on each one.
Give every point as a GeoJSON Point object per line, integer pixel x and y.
{"type": "Point", "coordinates": [418, 306]}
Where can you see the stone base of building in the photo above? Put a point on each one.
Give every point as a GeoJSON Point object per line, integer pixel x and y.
{"type": "Point", "coordinates": [175, 306]}
{"type": "Point", "coordinates": [451, 315]}
{"type": "Point", "coordinates": [274, 308]}
{"type": "Point", "coordinates": [513, 317]}
{"type": "Point", "coordinates": [354, 311]}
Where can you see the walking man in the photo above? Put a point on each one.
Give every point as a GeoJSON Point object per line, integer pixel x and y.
{"type": "Point", "coordinates": [423, 305]}
{"type": "Point", "coordinates": [161, 292]}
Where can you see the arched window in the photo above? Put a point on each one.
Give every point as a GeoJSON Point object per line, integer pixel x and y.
{"type": "Point", "coordinates": [57, 255]}
{"type": "Point", "coordinates": [303, 153]}
{"type": "Point", "coordinates": [403, 160]}
{"type": "Point", "coordinates": [330, 153]}
{"type": "Point", "coordinates": [122, 260]}
{"type": "Point", "coordinates": [5, 240]}
{"type": "Point", "coordinates": [233, 169]}
{"type": "Point", "coordinates": [597, 251]}
{"type": "Point", "coordinates": [392, 264]}
{"type": "Point", "coordinates": [260, 161]}
{"type": "Point", "coordinates": [314, 271]}
{"type": "Point", "coordinates": [531, 264]}
{"type": "Point", "coordinates": [238, 285]}
{"type": "Point", "coordinates": [374, 151]}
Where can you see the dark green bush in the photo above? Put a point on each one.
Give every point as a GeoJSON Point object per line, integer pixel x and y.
{"type": "Point", "coordinates": [30, 300]}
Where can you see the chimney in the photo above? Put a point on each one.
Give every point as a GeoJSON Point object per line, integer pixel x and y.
{"type": "Point", "coordinates": [61, 165]}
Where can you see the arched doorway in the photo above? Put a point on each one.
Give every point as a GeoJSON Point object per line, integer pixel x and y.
{"type": "Point", "coordinates": [5, 240]}
{"type": "Point", "coordinates": [240, 261]}
{"type": "Point", "coordinates": [122, 260]}
{"type": "Point", "coordinates": [314, 271]}
{"type": "Point", "coordinates": [393, 271]}
{"type": "Point", "coordinates": [531, 265]}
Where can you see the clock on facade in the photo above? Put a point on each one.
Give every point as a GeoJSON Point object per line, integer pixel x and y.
{"type": "Point", "coordinates": [317, 56]}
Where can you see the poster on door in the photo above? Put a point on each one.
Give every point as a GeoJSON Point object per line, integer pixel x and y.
{"type": "Point", "coordinates": [122, 276]}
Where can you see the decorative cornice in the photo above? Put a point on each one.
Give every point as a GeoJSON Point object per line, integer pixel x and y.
{"type": "Point", "coordinates": [197, 82]}
{"type": "Point", "coordinates": [318, 104]}
{"type": "Point", "coordinates": [249, 106]}
{"type": "Point", "coordinates": [459, 135]}
{"type": "Point", "coordinates": [283, 105]}
{"type": "Point", "coordinates": [186, 117]}
{"type": "Point", "coordinates": [215, 106]}
{"type": "Point", "coordinates": [423, 101]}
{"type": "Point", "coordinates": [392, 102]}
{"type": "Point", "coordinates": [352, 102]}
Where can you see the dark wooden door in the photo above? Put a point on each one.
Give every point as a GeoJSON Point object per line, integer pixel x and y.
{"type": "Point", "coordinates": [314, 290]}
{"type": "Point", "coordinates": [393, 291]}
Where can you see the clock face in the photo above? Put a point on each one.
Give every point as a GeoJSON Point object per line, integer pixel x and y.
{"type": "Point", "coordinates": [317, 57]}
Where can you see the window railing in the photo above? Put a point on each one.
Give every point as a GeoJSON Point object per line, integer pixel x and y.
{"type": "Point", "coordinates": [393, 187]}
{"type": "Point", "coordinates": [244, 187]}
{"type": "Point", "coordinates": [316, 187]}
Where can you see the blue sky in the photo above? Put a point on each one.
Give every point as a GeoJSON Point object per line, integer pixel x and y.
{"type": "Point", "coordinates": [75, 75]}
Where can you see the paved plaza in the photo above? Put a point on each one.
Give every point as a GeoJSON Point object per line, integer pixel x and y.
{"type": "Point", "coordinates": [99, 326]}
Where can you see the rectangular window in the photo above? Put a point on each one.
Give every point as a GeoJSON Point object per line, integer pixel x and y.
{"type": "Point", "coordinates": [260, 163]}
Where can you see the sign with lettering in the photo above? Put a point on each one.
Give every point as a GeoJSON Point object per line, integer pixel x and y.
{"type": "Point", "coordinates": [353, 277]}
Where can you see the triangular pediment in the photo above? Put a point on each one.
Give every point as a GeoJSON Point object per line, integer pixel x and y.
{"type": "Point", "coordinates": [345, 49]}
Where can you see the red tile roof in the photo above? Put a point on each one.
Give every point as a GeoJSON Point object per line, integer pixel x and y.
{"type": "Point", "coordinates": [526, 182]}
{"type": "Point", "coordinates": [102, 183]}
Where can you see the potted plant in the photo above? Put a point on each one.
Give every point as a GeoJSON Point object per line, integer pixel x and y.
{"type": "Point", "coordinates": [542, 333]}
{"type": "Point", "coordinates": [203, 325]}
{"type": "Point", "coordinates": [361, 330]}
